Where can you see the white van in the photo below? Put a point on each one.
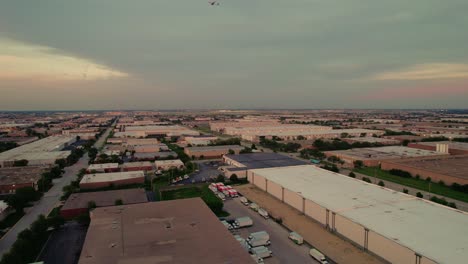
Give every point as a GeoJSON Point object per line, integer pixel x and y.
{"type": "Point", "coordinates": [317, 255]}
{"type": "Point", "coordinates": [298, 239]}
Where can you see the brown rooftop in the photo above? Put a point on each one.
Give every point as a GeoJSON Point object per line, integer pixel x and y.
{"type": "Point", "coordinates": [177, 231]}
{"type": "Point", "coordinates": [105, 198]}
{"type": "Point", "coordinates": [17, 175]}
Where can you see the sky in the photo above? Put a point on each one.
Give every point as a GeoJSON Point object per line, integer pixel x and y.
{"type": "Point", "coordinates": [250, 54]}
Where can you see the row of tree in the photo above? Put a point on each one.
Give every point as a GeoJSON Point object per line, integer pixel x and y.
{"type": "Point", "coordinates": [278, 146]}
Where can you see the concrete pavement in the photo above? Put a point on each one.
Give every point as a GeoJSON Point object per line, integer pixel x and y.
{"type": "Point", "coordinates": [50, 199]}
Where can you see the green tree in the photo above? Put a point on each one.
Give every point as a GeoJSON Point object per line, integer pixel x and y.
{"type": "Point", "coordinates": [405, 190]}
{"type": "Point", "coordinates": [419, 195]}
{"type": "Point", "coordinates": [220, 178]}
{"type": "Point", "coordinates": [231, 152]}
{"type": "Point", "coordinates": [61, 163]}
{"type": "Point", "coordinates": [352, 175]}
{"type": "Point", "coordinates": [20, 163]}
{"type": "Point", "coordinates": [234, 178]}
{"type": "Point", "coordinates": [381, 183]}
{"type": "Point", "coordinates": [358, 164]}
{"type": "Point", "coordinates": [91, 204]}
{"type": "Point", "coordinates": [118, 202]}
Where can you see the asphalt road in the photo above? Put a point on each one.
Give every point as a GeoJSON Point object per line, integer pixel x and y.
{"type": "Point", "coordinates": [49, 201]}
{"type": "Point", "coordinates": [284, 250]}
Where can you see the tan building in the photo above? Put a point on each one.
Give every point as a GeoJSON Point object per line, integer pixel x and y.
{"type": "Point", "coordinates": [18, 177]}
{"type": "Point", "coordinates": [390, 224]}
{"type": "Point", "coordinates": [452, 147]}
{"type": "Point", "coordinates": [449, 169]}
{"type": "Point", "coordinates": [102, 180]}
{"type": "Point", "coordinates": [178, 231]}
{"type": "Point", "coordinates": [212, 151]}
{"type": "Point", "coordinates": [168, 164]}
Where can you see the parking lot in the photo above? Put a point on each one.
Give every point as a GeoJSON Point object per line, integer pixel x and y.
{"type": "Point", "coordinates": [284, 250]}
{"type": "Point", "coordinates": [64, 245]}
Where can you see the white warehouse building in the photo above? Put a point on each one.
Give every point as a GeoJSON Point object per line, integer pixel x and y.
{"type": "Point", "coordinates": [398, 227]}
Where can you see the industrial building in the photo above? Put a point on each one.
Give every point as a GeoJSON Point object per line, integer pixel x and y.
{"type": "Point", "coordinates": [18, 177]}
{"type": "Point", "coordinates": [137, 166]}
{"type": "Point", "coordinates": [78, 203]}
{"type": "Point", "coordinates": [449, 169]}
{"type": "Point", "coordinates": [397, 227]}
{"type": "Point", "coordinates": [168, 164]}
{"type": "Point", "coordinates": [212, 151]}
{"type": "Point", "coordinates": [178, 231]}
{"type": "Point", "coordinates": [102, 180]}
{"type": "Point", "coordinates": [149, 148]}
{"type": "Point", "coordinates": [375, 156]}
{"type": "Point", "coordinates": [150, 156]}
{"type": "Point", "coordinates": [199, 140]}
{"type": "Point", "coordinates": [158, 131]}
{"type": "Point", "coordinates": [383, 141]}
{"type": "Point", "coordinates": [41, 152]}
{"type": "Point", "coordinates": [103, 167]}
{"type": "Point", "coordinates": [452, 147]}
{"type": "Point", "coordinates": [239, 164]}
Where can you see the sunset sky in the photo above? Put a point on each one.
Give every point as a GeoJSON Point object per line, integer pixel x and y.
{"type": "Point", "coordinates": [179, 54]}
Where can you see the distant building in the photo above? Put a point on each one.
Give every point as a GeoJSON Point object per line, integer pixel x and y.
{"type": "Point", "coordinates": [168, 164]}
{"type": "Point", "coordinates": [103, 167]}
{"type": "Point", "coordinates": [178, 231]}
{"type": "Point", "coordinates": [374, 156]}
{"type": "Point", "coordinates": [137, 166]}
{"type": "Point", "coordinates": [241, 163]}
{"type": "Point", "coordinates": [373, 140]}
{"type": "Point", "coordinates": [101, 180]}
{"type": "Point", "coordinates": [78, 203]}
{"type": "Point", "coordinates": [18, 177]}
{"type": "Point", "coordinates": [453, 147]}
{"type": "Point", "coordinates": [212, 151]}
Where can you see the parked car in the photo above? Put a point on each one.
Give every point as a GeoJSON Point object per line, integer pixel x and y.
{"type": "Point", "coordinates": [254, 206]}
{"type": "Point", "coordinates": [262, 252]}
{"type": "Point", "coordinates": [221, 196]}
{"type": "Point", "coordinates": [244, 201]}
{"type": "Point", "coordinates": [263, 213]}
{"type": "Point", "coordinates": [298, 239]}
{"type": "Point", "coordinates": [243, 222]}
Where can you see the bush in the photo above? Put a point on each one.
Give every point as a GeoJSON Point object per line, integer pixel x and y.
{"type": "Point", "coordinates": [405, 190]}
{"type": "Point", "coordinates": [352, 175]}
{"type": "Point", "coordinates": [400, 173]}
{"type": "Point", "coordinates": [381, 183]}
{"type": "Point", "coordinates": [358, 163]}
{"type": "Point", "coordinates": [419, 195]}
{"type": "Point", "coordinates": [234, 178]}
{"type": "Point", "coordinates": [118, 202]}
{"type": "Point", "coordinates": [441, 182]}
{"type": "Point", "coordinates": [220, 178]}
{"type": "Point", "coordinates": [366, 179]}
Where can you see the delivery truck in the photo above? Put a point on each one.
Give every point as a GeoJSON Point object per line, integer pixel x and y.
{"type": "Point", "coordinates": [298, 239]}
{"type": "Point", "coordinates": [244, 201]}
{"type": "Point", "coordinates": [317, 255]}
{"type": "Point", "coordinates": [243, 222]}
{"type": "Point", "coordinates": [254, 207]}
{"type": "Point", "coordinates": [259, 234]}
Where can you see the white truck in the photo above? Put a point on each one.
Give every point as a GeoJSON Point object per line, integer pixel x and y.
{"type": "Point", "coordinates": [244, 201]}
{"type": "Point", "coordinates": [242, 241]}
{"type": "Point", "coordinates": [261, 238]}
{"type": "Point", "coordinates": [243, 222]}
{"type": "Point", "coordinates": [254, 206]}
{"type": "Point", "coordinates": [263, 213]}
{"type": "Point", "coordinates": [298, 239]}
{"type": "Point", "coordinates": [257, 259]}
{"type": "Point", "coordinates": [262, 252]}
{"type": "Point", "coordinates": [317, 255]}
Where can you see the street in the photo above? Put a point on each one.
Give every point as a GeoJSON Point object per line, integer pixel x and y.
{"type": "Point", "coordinates": [284, 250]}
{"type": "Point", "coordinates": [50, 199]}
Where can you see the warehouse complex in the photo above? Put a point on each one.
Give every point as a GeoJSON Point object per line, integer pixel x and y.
{"type": "Point", "coordinates": [449, 169]}
{"type": "Point", "coordinates": [374, 156]}
{"type": "Point", "coordinates": [162, 131]}
{"type": "Point", "coordinates": [452, 147]}
{"type": "Point", "coordinates": [19, 177]}
{"type": "Point", "coordinates": [398, 227]}
{"type": "Point", "coordinates": [42, 152]}
{"type": "Point", "coordinates": [78, 203]}
{"type": "Point", "coordinates": [239, 164]}
{"type": "Point", "coordinates": [178, 231]}
{"type": "Point", "coordinates": [101, 180]}
{"type": "Point", "coordinates": [212, 151]}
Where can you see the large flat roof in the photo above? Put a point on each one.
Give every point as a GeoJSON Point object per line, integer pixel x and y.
{"type": "Point", "coordinates": [433, 230]}
{"type": "Point", "coordinates": [455, 166]}
{"type": "Point", "coordinates": [105, 198]}
{"type": "Point", "coordinates": [220, 147]}
{"type": "Point", "coordinates": [111, 176]}
{"type": "Point", "coordinates": [451, 144]}
{"type": "Point", "coordinates": [388, 152]}
{"type": "Point", "coordinates": [17, 175]}
{"type": "Point", "coordinates": [48, 146]}
{"type": "Point", "coordinates": [265, 160]}
{"type": "Point", "coordinates": [101, 166]}
{"type": "Point", "coordinates": [178, 231]}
